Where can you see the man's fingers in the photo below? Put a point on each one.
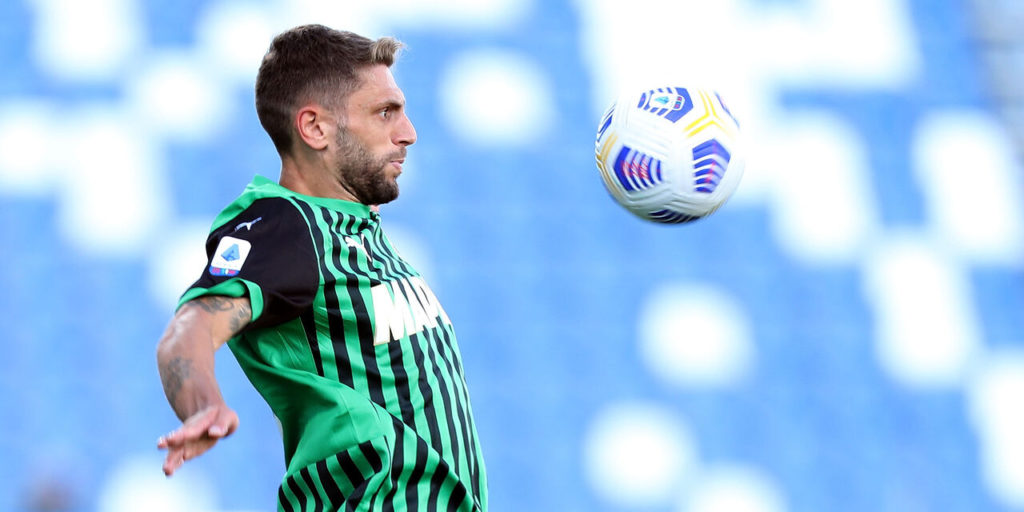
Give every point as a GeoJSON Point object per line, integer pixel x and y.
{"type": "Point", "coordinates": [169, 440]}
{"type": "Point", "coordinates": [199, 433]}
{"type": "Point", "coordinates": [173, 461]}
{"type": "Point", "coordinates": [177, 455]}
{"type": "Point", "coordinates": [195, 428]}
{"type": "Point", "coordinates": [179, 437]}
{"type": "Point", "coordinates": [225, 424]}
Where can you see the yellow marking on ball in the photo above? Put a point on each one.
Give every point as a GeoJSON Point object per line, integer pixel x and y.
{"type": "Point", "coordinates": [699, 120]}
{"type": "Point", "coordinates": [710, 118]}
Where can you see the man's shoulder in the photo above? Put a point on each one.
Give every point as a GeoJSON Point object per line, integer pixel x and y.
{"type": "Point", "coordinates": [261, 197]}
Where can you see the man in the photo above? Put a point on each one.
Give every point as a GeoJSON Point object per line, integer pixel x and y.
{"type": "Point", "coordinates": [342, 338]}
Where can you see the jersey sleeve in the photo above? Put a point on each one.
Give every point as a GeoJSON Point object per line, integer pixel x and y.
{"type": "Point", "coordinates": [264, 252]}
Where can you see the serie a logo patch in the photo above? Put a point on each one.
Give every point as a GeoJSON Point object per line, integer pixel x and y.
{"type": "Point", "coordinates": [229, 256]}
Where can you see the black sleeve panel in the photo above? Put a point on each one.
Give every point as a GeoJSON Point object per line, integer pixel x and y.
{"type": "Point", "coordinates": [268, 244]}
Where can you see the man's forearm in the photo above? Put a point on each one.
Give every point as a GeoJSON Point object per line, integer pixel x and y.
{"type": "Point", "coordinates": [185, 354]}
{"type": "Point", "coordinates": [185, 358]}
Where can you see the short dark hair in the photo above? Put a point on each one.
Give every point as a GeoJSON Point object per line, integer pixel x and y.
{"type": "Point", "coordinates": [312, 62]}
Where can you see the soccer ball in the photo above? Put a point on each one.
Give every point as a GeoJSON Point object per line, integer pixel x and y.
{"type": "Point", "coordinates": [670, 154]}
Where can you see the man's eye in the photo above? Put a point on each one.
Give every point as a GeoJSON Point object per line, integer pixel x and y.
{"type": "Point", "coordinates": [386, 113]}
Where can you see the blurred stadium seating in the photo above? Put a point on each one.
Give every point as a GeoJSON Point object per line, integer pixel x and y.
{"type": "Point", "coordinates": [845, 335]}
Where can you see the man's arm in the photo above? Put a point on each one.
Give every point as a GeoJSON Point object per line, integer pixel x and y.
{"type": "Point", "coordinates": [185, 358]}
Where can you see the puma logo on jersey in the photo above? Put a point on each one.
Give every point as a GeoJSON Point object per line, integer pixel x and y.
{"type": "Point", "coordinates": [247, 225]}
{"type": "Point", "coordinates": [404, 307]}
{"type": "Point", "coordinates": [352, 242]}
{"type": "Point", "coordinates": [356, 244]}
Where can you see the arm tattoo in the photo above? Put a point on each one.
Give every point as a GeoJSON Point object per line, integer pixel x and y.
{"type": "Point", "coordinates": [243, 315]}
{"type": "Point", "coordinates": [239, 310]}
{"type": "Point", "coordinates": [173, 375]}
{"type": "Point", "coordinates": [213, 303]}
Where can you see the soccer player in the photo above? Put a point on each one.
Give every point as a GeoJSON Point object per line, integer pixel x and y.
{"type": "Point", "coordinates": [341, 336]}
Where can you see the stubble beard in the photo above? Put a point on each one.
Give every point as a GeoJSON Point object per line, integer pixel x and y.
{"type": "Point", "coordinates": [363, 173]}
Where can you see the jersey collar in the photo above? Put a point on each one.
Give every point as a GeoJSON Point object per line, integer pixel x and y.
{"type": "Point", "coordinates": [265, 184]}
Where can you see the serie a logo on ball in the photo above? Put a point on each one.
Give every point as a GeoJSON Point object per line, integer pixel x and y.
{"type": "Point", "coordinates": [670, 154]}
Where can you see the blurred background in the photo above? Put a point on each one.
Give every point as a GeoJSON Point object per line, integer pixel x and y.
{"type": "Point", "coordinates": [846, 334]}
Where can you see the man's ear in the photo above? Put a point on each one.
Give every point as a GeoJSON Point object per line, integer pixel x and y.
{"type": "Point", "coordinates": [314, 126]}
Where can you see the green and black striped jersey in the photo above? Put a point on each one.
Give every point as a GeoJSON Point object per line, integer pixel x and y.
{"type": "Point", "coordinates": [353, 353]}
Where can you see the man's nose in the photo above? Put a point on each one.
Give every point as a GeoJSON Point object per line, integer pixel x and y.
{"type": "Point", "coordinates": [405, 133]}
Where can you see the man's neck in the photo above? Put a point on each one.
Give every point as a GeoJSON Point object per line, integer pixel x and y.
{"type": "Point", "coordinates": [312, 179]}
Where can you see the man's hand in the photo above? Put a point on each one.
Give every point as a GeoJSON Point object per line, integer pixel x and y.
{"type": "Point", "coordinates": [199, 433]}
{"type": "Point", "coordinates": [185, 359]}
